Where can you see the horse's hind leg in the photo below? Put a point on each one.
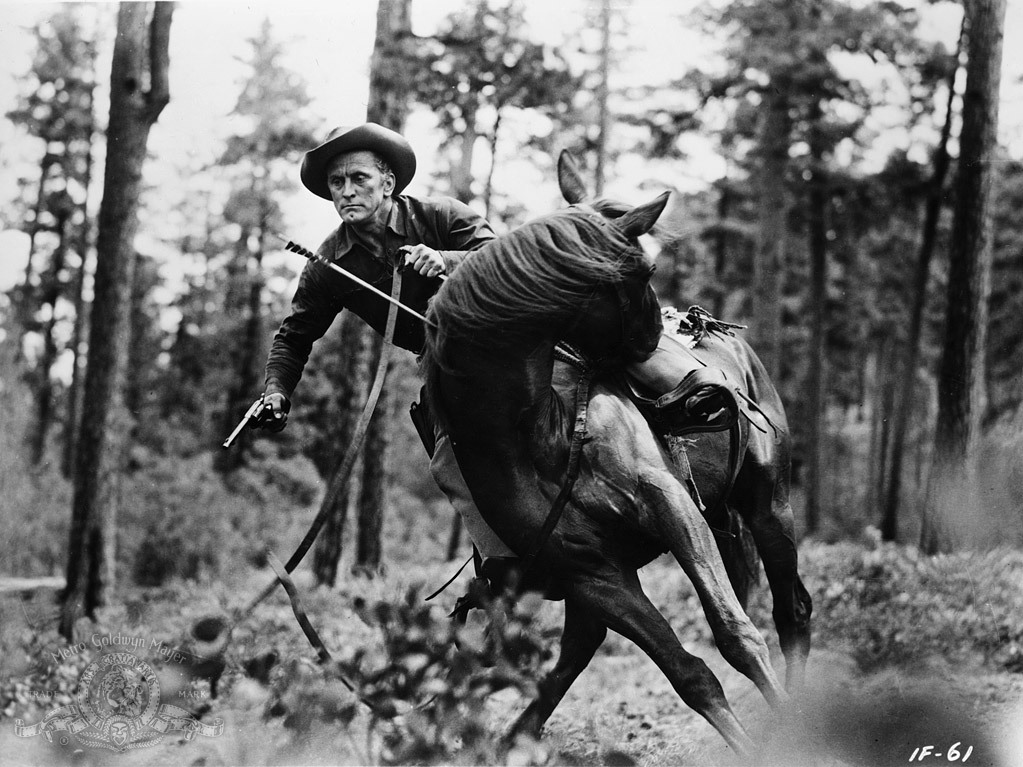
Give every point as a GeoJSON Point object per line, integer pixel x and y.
{"type": "Point", "coordinates": [580, 638]}
{"type": "Point", "coordinates": [773, 530]}
{"type": "Point", "coordinates": [691, 542]}
{"type": "Point", "coordinates": [619, 602]}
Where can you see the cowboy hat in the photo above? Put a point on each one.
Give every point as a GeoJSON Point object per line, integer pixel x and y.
{"type": "Point", "coordinates": [370, 137]}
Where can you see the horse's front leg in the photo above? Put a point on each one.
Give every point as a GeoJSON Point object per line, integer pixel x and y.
{"type": "Point", "coordinates": [692, 543]}
{"type": "Point", "coordinates": [580, 638]}
{"type": "Point", "coordinates": [619, 601]}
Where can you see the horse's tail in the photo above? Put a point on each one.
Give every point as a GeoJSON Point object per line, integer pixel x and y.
{"type": "Point", "coordinates": [739, 552]}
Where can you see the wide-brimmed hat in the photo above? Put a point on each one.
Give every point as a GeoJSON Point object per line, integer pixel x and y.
{"type": "Point", "coordinates": [370, 137]}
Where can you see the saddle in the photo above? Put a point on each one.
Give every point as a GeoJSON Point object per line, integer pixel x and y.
{"type": "Point", "coordinates": [678, 392]}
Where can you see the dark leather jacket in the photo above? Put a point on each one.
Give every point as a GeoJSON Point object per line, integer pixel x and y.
{"type": "Point", "coordinates": [442, 223]}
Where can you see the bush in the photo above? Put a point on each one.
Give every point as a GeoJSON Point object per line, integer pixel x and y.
{"type": "Point", "coordinates": [890, 605]}
{"type": "Point", "coordinates": [426, 682]}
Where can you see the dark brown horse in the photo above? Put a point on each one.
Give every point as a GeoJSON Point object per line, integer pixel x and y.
{"type": "Point", "coordinates": [579, 275]}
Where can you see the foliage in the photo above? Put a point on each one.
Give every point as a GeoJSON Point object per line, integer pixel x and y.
{"type": "Point", "coordinates": [482, 68]}
{"type": "Point", "coordinates": [194, 302]}
{"type": "Point", "coordinates": [1005, 344]}
{"type": "Point", "coordinates": [34, 501]}
{"type": "Point", "coordinates": [889, 605]}
{"type": "Point", "coordinates": [426, 681]}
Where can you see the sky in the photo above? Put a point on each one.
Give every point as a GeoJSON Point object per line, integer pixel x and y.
{"type": "Point", "coordinates": [329, 44]}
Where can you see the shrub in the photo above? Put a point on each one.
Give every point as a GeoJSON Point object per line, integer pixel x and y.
{"type": "Point", "coordinates": [426, 683]}
{"type": "Point", "coordinates": [888, 604]}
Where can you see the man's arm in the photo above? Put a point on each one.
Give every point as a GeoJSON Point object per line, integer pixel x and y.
{"type": "Point", "coordinates": [462, 230]}
{"type": "Point", "coordinates": [312, 311]}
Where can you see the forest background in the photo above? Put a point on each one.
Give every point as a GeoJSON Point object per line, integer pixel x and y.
{"type": "Point", "coordinates": [668, 98]}
{"type": "Point", "coordinates": [812, 150]}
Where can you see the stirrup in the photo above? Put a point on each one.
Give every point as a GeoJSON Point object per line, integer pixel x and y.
{"type": "Point", "coordinates": [685, 410]}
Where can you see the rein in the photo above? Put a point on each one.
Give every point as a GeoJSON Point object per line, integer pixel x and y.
{"type": "Point", "coordinates": [337, 484]}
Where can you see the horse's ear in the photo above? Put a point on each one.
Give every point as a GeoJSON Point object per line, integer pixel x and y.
{"type": "Point", "coordinates": [569, 179]}
{"type": "Point", "coordinates": [642, 218]}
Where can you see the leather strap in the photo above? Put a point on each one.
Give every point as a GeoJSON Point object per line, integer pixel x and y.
{"type": "Point", "coordinates": [339, 479]}
{"type": "Point", "coordinates": [575, 450]}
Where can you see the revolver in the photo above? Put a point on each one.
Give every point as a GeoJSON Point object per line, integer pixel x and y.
{"type": "Point", "coordinates": [252, 414]}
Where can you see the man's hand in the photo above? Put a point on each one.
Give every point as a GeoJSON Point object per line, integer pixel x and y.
{"type": "Point", "coordinates": [424, 260]}
{"type": "Point", "coordinates": [274, 416]}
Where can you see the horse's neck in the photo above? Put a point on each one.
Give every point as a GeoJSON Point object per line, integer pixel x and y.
{"type": "Point", "coordinates": [509, 389]}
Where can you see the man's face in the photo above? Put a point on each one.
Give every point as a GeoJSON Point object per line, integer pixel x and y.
{"type": "Point", "coordinates": [357, 186]}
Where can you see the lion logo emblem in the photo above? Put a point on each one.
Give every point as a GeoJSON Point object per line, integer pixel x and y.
{"type": "Point", "coordinates": [119, 709]}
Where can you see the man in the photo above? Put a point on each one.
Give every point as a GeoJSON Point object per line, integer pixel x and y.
{"type": "Point", "coordinates": [363, 171]}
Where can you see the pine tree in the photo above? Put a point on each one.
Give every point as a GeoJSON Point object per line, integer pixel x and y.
{"type": "Point", "coordinates": [273, 103]}
{"type": "Point", "coordinates": [141, 57]}
{"type": "Point", "coordinates": [954, 511]}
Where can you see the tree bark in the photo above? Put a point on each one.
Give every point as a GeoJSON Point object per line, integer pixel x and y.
{"type": "Point", "coordinates": [246, 375]}
{"type": "Point", "coordinates": [51, 290]}
{"type": "Point", "coordinates": [357, 339]}
{"type": "Point", "coordinates": [74, 397]}
{"type": "Point", "coordinates": [461, 170]}
{"type": "Point", "coordinates": [141, 29]}
{"type": "Point", "coordinates": [372, 498]}
{"type": "Point", "coordinates": [388, 83]}
{"type": "Point", "coordinates": [818, 242]}
{"type": "Point", "coordinates": [389, 106]}
{"type": "Point", "coordinates": [603, 113]}
{"type": "Point", "coordinates": [953, 509]}
{"type": "Point", "coordinates": [772, 214]}
{"type": "Point", "coordinates": [721, 246]}
{"type": "Point", "coordinates": [891, 482]}
{"type": "Point", "coordinates": [488, 190]}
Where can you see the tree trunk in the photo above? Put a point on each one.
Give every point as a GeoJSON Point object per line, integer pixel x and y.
{"type": "Point", "coordinates": [357, 339]}
{"type": "Point", "coordinates": [884, 389]}
{"type": "Point", "coordinates": [140, 56]}
{"type": "Point", "coordinates": [74, 396]}
{"type": "Point", "coordinates": [368, 546]}
{"type": "Point", "coordinates": [488, 190]}
{"type": "Point", "coordinates": [906, 380]}
{"type": "Point", "coordinates": [818, 246]}
{"type": "Point", "coordinates": [25, 294]}
{"type": "Point", "coordinates": [244, 291]}
{"type": "Point", "coordinates": [389, 106]}
{"type": "Point", "coordinates": [461, 170]}
{"type": "Point", "coordinates": [388, 85]}
{"type": "Point", "coordinates": [721, 247]}
{"type": "Point", "coordinates": [603, 114]}
{"type": "Point", "coordinates": [44, 384]}
{"type": "Point", "coordinates": [953, 509]}
{"type": "Point", "coordinates": [772, 214]}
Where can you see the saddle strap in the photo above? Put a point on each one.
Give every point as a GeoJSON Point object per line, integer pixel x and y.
{"type": "Point", "coordinates": [575, 450]}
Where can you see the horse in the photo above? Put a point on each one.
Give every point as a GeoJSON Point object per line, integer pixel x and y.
{"type": "Point", "coordinates": [579, 275]}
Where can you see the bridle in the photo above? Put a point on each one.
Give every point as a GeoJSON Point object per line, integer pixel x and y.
{"type": "Point", "coordinates": [621, 293]}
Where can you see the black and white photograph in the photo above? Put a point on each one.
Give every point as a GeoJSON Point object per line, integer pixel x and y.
{"type": "Point", "coordinates": [511, 382]}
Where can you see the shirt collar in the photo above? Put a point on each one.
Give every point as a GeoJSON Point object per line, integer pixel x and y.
{"type": "Point", "coordinates": [396, 223]}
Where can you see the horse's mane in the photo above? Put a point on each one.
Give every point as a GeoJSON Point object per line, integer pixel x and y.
{"type": "Point", "coordinates": [529, 280]}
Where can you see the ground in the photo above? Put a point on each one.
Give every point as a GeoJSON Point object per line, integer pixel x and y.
{"type": "Point", "coordinates": [882, 710]}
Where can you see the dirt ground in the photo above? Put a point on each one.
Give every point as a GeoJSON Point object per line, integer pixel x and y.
{"type": "Point", "coordinates": [622, 711]}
